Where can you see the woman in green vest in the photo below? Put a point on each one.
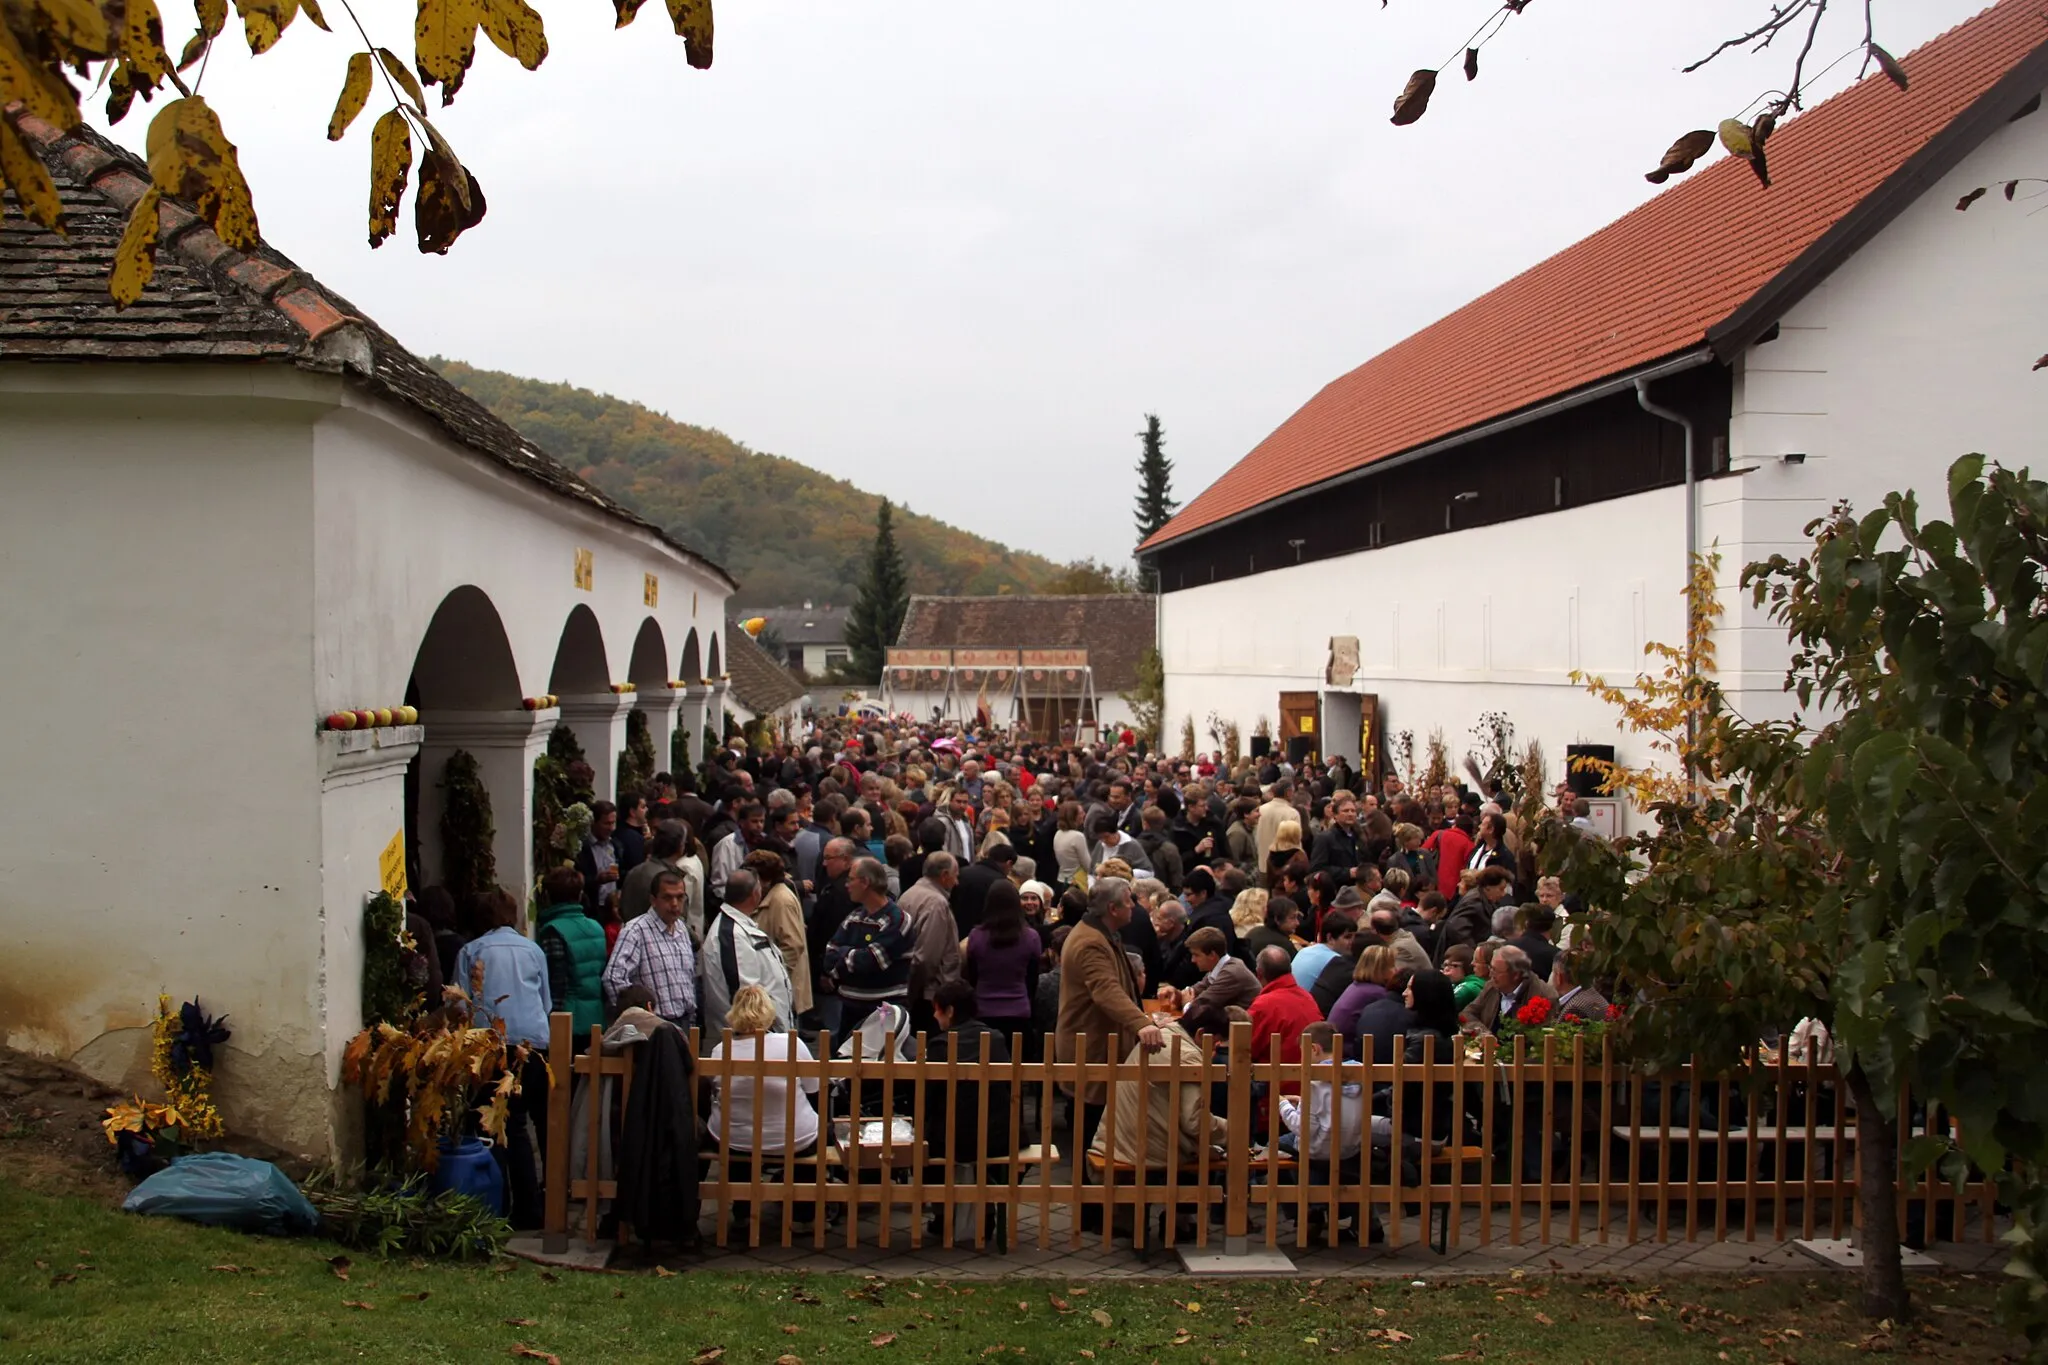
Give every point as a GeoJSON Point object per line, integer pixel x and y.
{"type": "Point", "coordinates": [575, 948]}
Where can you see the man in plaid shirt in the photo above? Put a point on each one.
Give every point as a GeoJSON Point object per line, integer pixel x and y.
{"type": "Point", "coordinates": [654, 951]}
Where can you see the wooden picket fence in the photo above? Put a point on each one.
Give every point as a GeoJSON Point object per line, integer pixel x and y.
{"type": "Point", "coordinates": [1555, 1144]}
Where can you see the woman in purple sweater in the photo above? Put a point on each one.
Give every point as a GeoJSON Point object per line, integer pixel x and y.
{"type": "Point", "coordinates": [1369, 978]}
{"type": "Point", "coordinates": [1001, 963]}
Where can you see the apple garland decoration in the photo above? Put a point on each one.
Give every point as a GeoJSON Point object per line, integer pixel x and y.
{"type": "Point", "coordinates": [370, 718]}
{"type": "Point", "coordinates": [544, 702]}
{"type": "Point", "coordinates": [625, 688]}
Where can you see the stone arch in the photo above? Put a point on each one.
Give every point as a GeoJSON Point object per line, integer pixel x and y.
{"type": "Point", "coordinates": [712, 664]}
{"type": "Point", "coordinates": [465, 661]}
{"type": "Point", "coordinates": [649, 665]}
{"type": "Point", "coordinates": [580, 663]}
{"type": "Point", "coordinates": [691, 669]}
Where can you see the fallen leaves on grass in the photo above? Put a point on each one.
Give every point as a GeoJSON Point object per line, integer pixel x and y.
{"type": "Point", "coordinates": [339, 1265]}
{"type": "Point", "coordinates": [521, 1322]}
{"type": "Point", "coordinates": [358, 1303]}
{"type": "Point", "coordinates": [662, 1272]}
{"type": "Point", "coordinates": [524, 1352]}
{"type": "Point", "coordinates": [1059, 1305]}
{"type": "Point", "coordinates": [882, 1339]}
{"type": "Point", "coordinates": [420, 1297]}
{"type": "Point", "coordinates": [1544, 1318]}
{"type": "Point", "coordinates": [1102, 1318]}
{"type": "Point", "coordinates": [710, 1355]}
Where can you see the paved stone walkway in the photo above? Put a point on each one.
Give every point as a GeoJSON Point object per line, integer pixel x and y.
{"type": "Point", "coordinates": [1414, 1259]}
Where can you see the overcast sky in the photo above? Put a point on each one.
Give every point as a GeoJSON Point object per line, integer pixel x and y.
{"type": "Point", "coordinates": [955, 251]}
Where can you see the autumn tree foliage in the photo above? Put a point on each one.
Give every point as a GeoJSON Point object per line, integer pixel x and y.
{"type": "Point", "coordinates": [120, 45]}
{"type": "Point", "coordinates": [1883, 868]}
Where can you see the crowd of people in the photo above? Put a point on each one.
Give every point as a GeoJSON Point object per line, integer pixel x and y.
{"type": "Point", "coordinates": [878, 882]}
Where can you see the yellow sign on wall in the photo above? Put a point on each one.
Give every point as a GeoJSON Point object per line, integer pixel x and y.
{"type": "Point", "coordinates": [391, 866]}
{"type": "Point", "coordinates": [584, 574]}
{"type": "Point", "coordinates": [650, 590]}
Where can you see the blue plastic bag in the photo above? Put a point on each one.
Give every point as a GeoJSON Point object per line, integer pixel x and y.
{"type": "Point", "coordinates": [220, 1189]}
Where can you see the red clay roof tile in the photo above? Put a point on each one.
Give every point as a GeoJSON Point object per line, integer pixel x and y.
{"type": "Point", "coordinates": [1647, 286]}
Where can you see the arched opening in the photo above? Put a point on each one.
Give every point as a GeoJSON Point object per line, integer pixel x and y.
{"type": "Point", "coordinates": [691, 669]}
{"type": "Point", "coordinates": [649, 668]}
{"type": "Point", "coordinates": [713, 666]}
{"type": "Point", "coordinates": [580, 665]}
{"type": "Point", "coordinates": [464, 663]}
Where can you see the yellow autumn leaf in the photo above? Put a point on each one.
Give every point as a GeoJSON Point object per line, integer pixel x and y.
{"type": "Point", "coordinates": [312, 9]}
{"type": "Point", "coordinates": [24, 172]}
{"type": "Point", "coordinates": [190, 158]}
{"type": "Point", "coordinates": [78, 27]}
{"type": "Point", "coordinates": [627, 9]}
{"type": "Point", "coordinates": [1735, 137]}
{"type": "Point", "coordinates": [516, 29]}
{"type": "Point", "coordinates": [390, 162]}
{"type": "Point", "coordinates": [41, 91]}
{"type": "Point", "coordinates": [264, 21]}
{"type": "Point", "coordinates": [142, 41]}
{"type": "Point", "coordinates": [400, 72]}
{"type": "Point", "coordinates": [693, 25]}
{"type": "Point", "coordinates": [444, 43]}
{"type": "Point", "coordinates": [355, 93]}
{"type": "Point", "coordinates": [213, 16]}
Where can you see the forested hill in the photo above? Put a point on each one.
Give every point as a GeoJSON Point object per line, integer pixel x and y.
{"type": "Point", "coordinates": [785, 531]}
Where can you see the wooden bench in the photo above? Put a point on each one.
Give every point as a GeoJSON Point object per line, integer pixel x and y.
{"type": "Point", "coordinates": [1470, 1159]}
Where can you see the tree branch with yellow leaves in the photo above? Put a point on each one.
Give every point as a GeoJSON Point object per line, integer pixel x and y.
{"type": "Point", "coordinates": [119, 45]}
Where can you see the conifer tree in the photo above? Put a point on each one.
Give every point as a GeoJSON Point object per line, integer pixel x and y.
{"type": "Point", "coordinates": [1156, 504]}
{"type": "Point", "coordinates": [880, 601]}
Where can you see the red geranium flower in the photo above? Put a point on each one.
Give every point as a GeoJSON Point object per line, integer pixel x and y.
{"type": "Point", "coordinates": [1534, 1013]}
{"type": "Point", "coordinates": [1614, 1014]}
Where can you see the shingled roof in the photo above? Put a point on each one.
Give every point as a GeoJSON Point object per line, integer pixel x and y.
{"type": "Point", "coordinates": [1710, 263]}
{"type": "Point", "coordinates": [1115, 628]}
{"type": "Point", "coordinates": [759, 683]}
{"type": "Point", "coordinates": [211, 303]}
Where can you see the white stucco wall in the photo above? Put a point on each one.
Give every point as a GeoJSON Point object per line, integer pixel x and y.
{"type": "Point", "coordinates": [1914, 352]}
{"type": "Point", "coordinates": [197, 564]}
{"type": "Point", "coordinates": [156, 600]}
{"type": "Point", "coordinates": [1483, 620]}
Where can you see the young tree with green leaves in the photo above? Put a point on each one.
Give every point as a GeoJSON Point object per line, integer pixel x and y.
{"type": "Point", "coordinates": [879, 603]}
{"type": "Point", "coordinates": [1156, 504]}
{"type": "Point", "coordinates": [1885, 871]}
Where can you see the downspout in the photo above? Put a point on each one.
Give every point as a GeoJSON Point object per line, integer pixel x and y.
{"type": "Point", "coordinates": [1692, 538]}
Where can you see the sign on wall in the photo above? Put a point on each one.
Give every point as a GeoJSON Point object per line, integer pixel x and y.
{"type": "Point", "coordinates": [984, 658]}
{"type": "Point", "coordinates": [1343, 665]}
{"type": "Point", "coordinates": [391, 866]}
{"type": "Point", "coordinates": [650, 589]}
{"type": "Point", "coordinates": [1055, 658]}
{"type": "Point", "coordinates": [584, 569]}
{"type": "Point", "coordinates": [919, 658]}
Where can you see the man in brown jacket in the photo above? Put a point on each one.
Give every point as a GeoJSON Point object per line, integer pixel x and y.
{"type": "Point", "coordinates": [1099, 995]}
{"type": "Point", "coordinates": [934, 934]}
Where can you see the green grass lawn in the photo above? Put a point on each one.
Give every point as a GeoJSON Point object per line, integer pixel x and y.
{"type": "Point", "coordinates": [82, 1282]}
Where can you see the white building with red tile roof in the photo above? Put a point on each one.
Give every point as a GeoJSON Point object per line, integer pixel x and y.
{"type": "Point", "coordinates": [1463, 521]}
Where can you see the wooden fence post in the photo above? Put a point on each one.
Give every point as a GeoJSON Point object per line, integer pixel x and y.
{"type": "Point", "coordinates": [561, 1079]}
{"type": "Point", "coordinates": [1238, 1174]}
